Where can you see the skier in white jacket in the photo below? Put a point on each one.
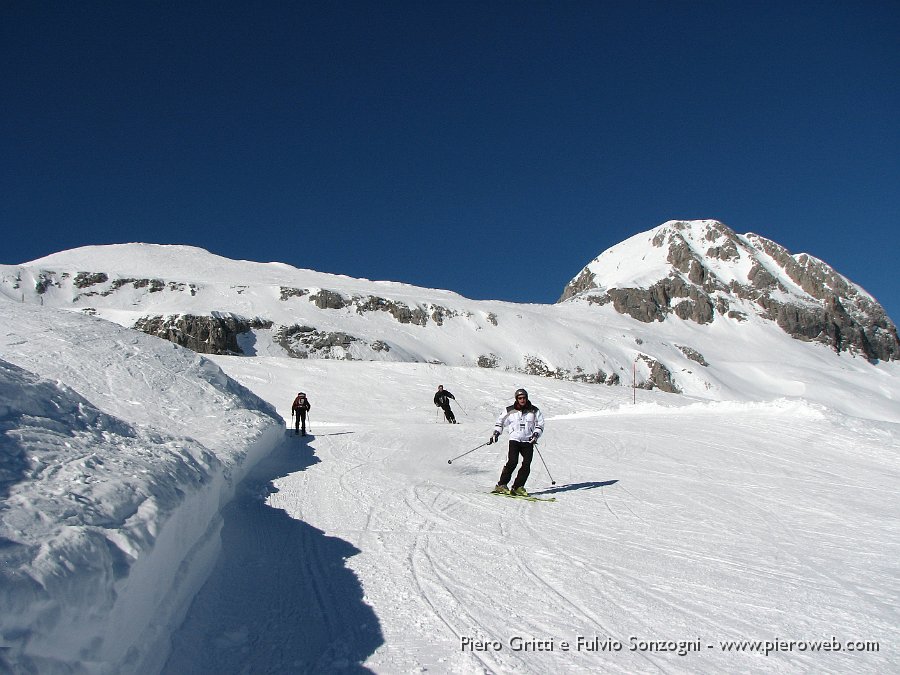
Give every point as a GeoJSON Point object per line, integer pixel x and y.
{"type": "Point", "coordinates": [525, 424]}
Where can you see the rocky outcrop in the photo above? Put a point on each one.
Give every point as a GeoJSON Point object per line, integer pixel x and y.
{"type": "Point", "coordinates": [326, 299]}
{"type": "Point", "coordinates": [714, 272]}
{"type": "Point", "coordinates": [88, 279]}
{"type": "Point", "coordinates": [693, 354]}
{"type": "Point", "coordinates": [487, 361]}
{"type": "Point", "coordinates": [583, 282]}
{"type": "Point", "coordinates": [287, 293]}
{"type": "Point", "coordinates": [363, 304]}
{"type": "Point", "coordinates": [400, 311]}
{"type": "Point", "coordinates": [660, 377]}
{"type": "Point", "coordinates": [534, 365]}
{"type": "Point", "coordinates": [306, 342]}
{"type": "Point", "coordinates": [671, 295]}
{"type": "Point", "coordinates": [204, 334]}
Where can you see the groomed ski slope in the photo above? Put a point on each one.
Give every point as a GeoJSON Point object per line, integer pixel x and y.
{"type": "Point", "coordinates": [679, 525]}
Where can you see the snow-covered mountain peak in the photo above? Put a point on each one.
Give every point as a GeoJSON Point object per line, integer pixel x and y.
{"type": "Point", "coordinates": [701, 270]}
{"type": "Point", "coordinates": [670, 308]}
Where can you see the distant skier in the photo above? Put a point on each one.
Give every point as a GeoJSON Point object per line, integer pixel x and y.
{"type": "Point", "coordinates": [525, 424]}
{"type": "Point", "coordinates": [299, 409]}
{"type": "Point", "coordinates": [442, 400]}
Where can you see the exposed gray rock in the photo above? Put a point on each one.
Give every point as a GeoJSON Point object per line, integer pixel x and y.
{"type": "Point", "coordinates": [580, 375]}
{"type": "Point", "coordinates": [669, 295]}
{"type": "Point", "coordinates": [400, 311]}
{"type": "Point", "coordinates": [44, 281]}
{"type": "Point", "coordinates": [693, 354]}
{"type": "Point", "coordinates": [582, 282]}
{"type": "Point", "coordinates": [380, 346]}
{"type": "Point", "coordinates": [534, 365]}
{"type": "Point", "coordinates": [727, 251]}
{"type": "Point", "coordinates": [660, 376]}
{"type": "Point", "coordinates": [203, 334]}
{"type": "Point", "coordinates": [306, 342]}
{"type": "Point", "coordinates": [87, 279]}
{"type": "Point", "coordinates": [326, 299]}
{"type": "Point", "coordinates": [439, 314]}
{"type": "Point", "coordinates": [287, 293]}
{"type": "Point", "coordinates": [489, 361]}
{"type": "Point", "coordinates": [153, 285]}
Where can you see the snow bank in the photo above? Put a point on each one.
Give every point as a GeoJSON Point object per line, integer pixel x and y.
{"type": "Point", "coordinates": [117, 452]}
{"type": "Point", "coordinates": [795, 407]}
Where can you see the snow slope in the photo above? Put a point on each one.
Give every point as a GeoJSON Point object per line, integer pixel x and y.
{"type": "Point", "coordinates": [117, 452]}
{"type": "Point", "coordinates": [676, 521]}
{"type": "Point", "coordinates": [752, 359]}
{"type": "Point", "coordinates": [759, 505]}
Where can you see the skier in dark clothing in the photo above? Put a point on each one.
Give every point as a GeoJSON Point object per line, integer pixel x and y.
{"type": "Point", "coordinates": [442, 400]}
{"type": "Point", "coordinates": [525, 423]}
{"type": "Point", "coordinates": [299, 408]}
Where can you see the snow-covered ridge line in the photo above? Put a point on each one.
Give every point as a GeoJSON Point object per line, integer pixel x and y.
{"type": "Point", "coordinates": [701, 330]}
{"type": "Point", "coordinates": [178, 263]}
{"type": "Point", "coordinates": [119, 452]}
{"type": "Point", "coordinates": [702, 270]}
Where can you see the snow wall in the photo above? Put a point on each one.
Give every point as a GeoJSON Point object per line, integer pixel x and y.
{"type": "Point", "coordinates": [117, 453]}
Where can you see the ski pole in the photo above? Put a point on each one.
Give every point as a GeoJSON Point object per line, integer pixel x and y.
{"type": "Point", "coordinates": [463, 408]}
{"type": "Point", "coordinates": [552, 482]}
{"type": "Point", "coordinates": [309, 420]}
{"type": "Point", "coordinates": [450, 461]}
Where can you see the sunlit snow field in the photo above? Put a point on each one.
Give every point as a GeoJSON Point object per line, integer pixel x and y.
{"type": "Point", "coordinates": [159, 515]}
{"type": "Point", "coordinates": [678, 526]}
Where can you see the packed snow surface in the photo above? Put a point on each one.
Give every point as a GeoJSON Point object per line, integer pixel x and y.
{"type": "Point", "coordinates": [157, 514]}
{"type": "Point", "coordinates": [679, 525]}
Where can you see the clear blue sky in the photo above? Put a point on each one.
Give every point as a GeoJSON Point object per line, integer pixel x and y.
{"type": "Point", "coordinates": [490, 148]}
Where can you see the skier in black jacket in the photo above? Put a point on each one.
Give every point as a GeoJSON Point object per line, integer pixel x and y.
{"type": "Point", "coordinates": [442, 400]}
{"type": "Point", "coordinates": [300, 407]}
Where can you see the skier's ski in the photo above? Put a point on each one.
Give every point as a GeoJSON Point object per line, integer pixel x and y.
{"type": "Point", "coordinates": [529, 498]}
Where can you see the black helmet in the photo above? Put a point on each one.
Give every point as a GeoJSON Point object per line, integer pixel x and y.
{"type": "Point", "coordinates": [521, 392]}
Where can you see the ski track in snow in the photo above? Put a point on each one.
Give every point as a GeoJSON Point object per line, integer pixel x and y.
{"type": "Point", "coordinates": [736, 511]}
{"type": "Point", "coordinates": [711, 525]}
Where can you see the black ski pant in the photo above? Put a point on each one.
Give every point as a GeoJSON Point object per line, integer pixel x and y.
{"type": "Point", "coordinates": [300, 421]}
{"type": "Point", "coordinates": [517, 448]}
{"type": "Point", "coordinates": [449, 413]}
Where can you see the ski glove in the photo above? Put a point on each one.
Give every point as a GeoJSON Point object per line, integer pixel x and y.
{"type": "Point", "coordinates": [534, 438]}
{"type": "Point", "coordinates": [494, 437]}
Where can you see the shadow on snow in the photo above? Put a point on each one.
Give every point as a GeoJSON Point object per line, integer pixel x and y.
{"type": "Point", "coordinates": [576, 486]}
{"type": "Point", "coordinates": [280, 598]}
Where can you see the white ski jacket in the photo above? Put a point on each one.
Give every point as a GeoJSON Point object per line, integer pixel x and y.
{"type": "Point", "coordinates": [522, 424]}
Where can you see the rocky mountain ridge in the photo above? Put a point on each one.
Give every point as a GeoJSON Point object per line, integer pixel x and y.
{"type": "Point", "coordinates": [711, 271]}
{"type": "Point", "coordinates": [667, 309]}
